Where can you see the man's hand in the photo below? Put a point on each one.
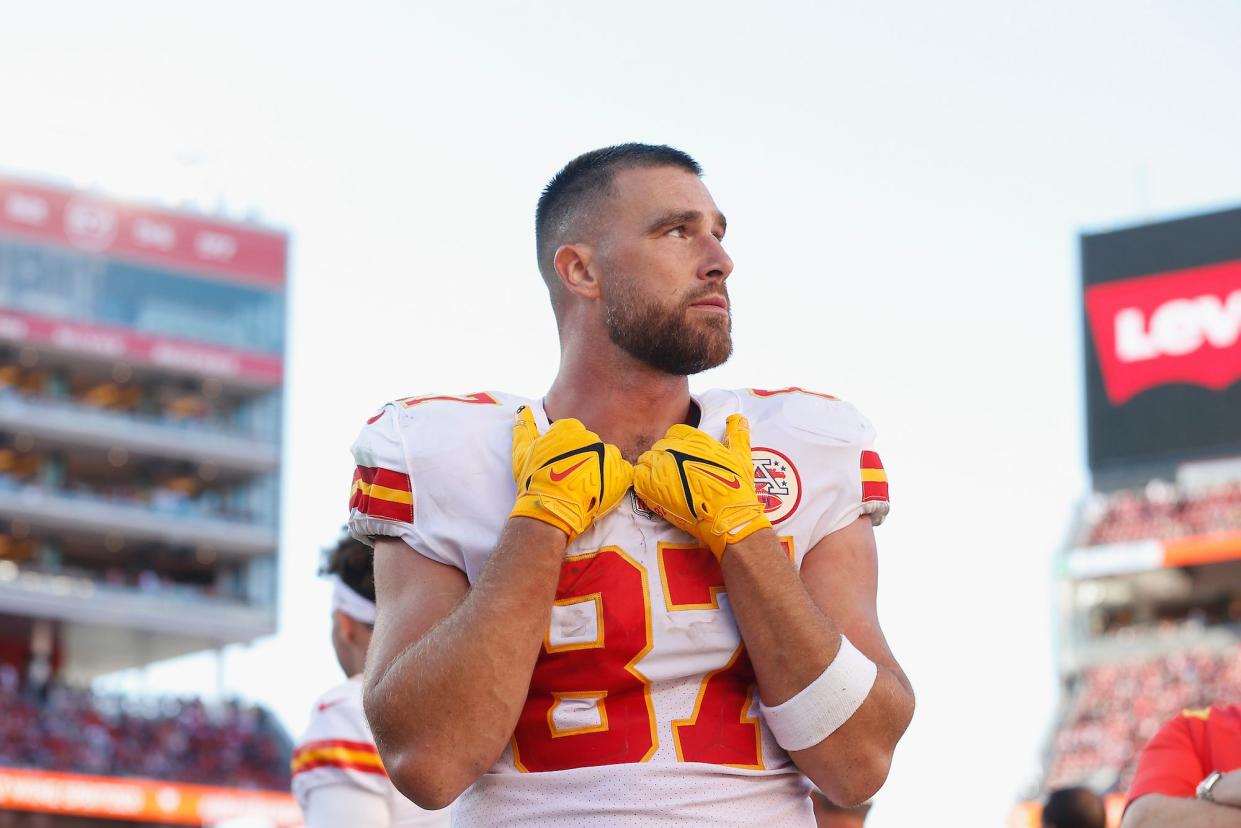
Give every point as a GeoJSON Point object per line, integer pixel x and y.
{"type": "Point", "coordinates": [1227, 790]}
{"type": "Point", "coordinates": [702, 486]}
{"type": "Point", "coordinates": [566, 477]}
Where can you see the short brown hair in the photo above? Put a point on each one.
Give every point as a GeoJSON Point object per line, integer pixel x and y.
{"type": "Point", "coordinates": [354, 563]}
{"type": "Point", "coordinates": [580, 182]}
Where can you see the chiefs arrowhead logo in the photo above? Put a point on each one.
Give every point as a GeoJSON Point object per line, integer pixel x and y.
{"type": "Point", "coordinates": [776, 482]}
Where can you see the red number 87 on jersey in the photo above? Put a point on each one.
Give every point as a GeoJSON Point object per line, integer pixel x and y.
{"type": "Point", "coordinates": [590, 705]}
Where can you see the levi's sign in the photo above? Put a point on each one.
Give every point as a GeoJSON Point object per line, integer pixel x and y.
{"type": "Point", "coordinates": [1183, 326]}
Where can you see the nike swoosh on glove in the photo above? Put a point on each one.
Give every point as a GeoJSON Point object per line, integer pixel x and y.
{"type": "Point", "coordinates": [703, 486]}
{"type": "Point", "coordinates": [567, 476]}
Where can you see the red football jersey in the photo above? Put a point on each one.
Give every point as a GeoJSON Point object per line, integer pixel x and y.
{"type": "Point", "coordinates": [1186, 750]}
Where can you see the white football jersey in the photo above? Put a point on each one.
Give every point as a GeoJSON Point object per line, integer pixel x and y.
{"type": "Point", "coordinates": [642, 708]}
{"type": "Point", "coordinates": [338, 749]}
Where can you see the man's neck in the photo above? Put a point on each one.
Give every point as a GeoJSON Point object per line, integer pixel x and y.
{"type": "Point", "coordinates": [626, 402]}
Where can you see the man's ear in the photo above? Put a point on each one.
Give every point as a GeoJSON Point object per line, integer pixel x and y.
{"type": "Point", "coordinates": [572, 263]}
{"type": "Point", "coordinates": [348, 627]}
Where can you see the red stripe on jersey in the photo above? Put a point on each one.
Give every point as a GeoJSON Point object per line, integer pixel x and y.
{"type": "Point", "coordinates": [336, 763]}
{"type": "Point", "coordinates": [477, 398]}
{"type": "Point", "coordinates": [383, 477]}
{"type": "Point", "coordinates": [355, 494]}
{"type": "Point", "coordinates": [392, 479]}
{"type": "Point", "coordinates": [337, 753]}
{"type": "Point", "coordinates": [363, 497]}
{"type": "Point", "coordinates": [792, 389]}
{"type": "Point", "coordinates": [365, 747]}
{"type": "Point", "coordinates": [874, 489]}
{"type": "Point", "coordinates": [357, 497]}
{"type": "Point", "coordinates": [387, 510]}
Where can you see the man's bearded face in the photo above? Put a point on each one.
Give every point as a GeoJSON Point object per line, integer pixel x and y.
{"type": "Point", "coordinates": [670, 338]}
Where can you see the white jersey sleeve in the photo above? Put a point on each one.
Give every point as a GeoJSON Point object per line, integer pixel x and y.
{"type": "Point", "coordinates": [337, 748]}
{"type": "Point", "coordinates": [336, 763]}
{"type": "Point", "coordinates": [435, 471]}
{"type": "Point", "coordinates": [331, 806]}
{"type": "Point", "coordinates": [381, 497]}
{"type": "Point", "coordinates": [815, 464]}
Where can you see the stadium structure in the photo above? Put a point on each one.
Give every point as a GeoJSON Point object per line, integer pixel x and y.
{"type": "Point", "coordinates": [1148, 618]}
{"type": "Point", "coordinates": [141, 371]}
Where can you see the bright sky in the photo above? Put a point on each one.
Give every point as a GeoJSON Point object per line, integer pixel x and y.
{"type": "Point", "coordinates": [904, 185]}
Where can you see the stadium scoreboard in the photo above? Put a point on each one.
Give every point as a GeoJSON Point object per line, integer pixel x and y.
{"type": "Point", "coordinates": [1162, 314]}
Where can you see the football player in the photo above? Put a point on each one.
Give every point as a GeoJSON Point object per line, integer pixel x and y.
{"type": "Point", "coordinates": [338, 777]}
{"type": "Point", "coordinates": [623, 604]}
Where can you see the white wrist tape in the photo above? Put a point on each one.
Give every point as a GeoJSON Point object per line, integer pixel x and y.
{"type": "Point", "coordinates": [824, 704]}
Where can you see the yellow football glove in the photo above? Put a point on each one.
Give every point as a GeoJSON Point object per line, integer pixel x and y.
{"type": "Point", "coordinates": [567, 477]}
{"type": "Point", "coordinates": [702, 486]}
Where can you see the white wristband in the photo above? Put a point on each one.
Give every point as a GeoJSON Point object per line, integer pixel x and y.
{"type": "Point", "coordinates": [824, 704]}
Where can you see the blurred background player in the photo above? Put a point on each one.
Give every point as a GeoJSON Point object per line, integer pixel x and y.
{"type": "Point", "coordinates": [1074, 808]}
{"type": "Point", "coordinates": [1189, 774]}
{"type": "Point", "coordinates": [338, 778]}
{"type": "Point", "coordinates": [828, 814]}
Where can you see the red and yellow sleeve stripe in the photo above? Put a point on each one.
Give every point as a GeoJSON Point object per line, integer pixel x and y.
{"type": "Point", "coordinates": [338, 753]}
{"type": "Point", "coordinates": [874, 478]}
{"type": "Point", "coordinates": [382, 493]}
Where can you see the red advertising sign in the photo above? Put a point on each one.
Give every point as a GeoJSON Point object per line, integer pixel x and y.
{"type": "Point", "coordinates": [140, 800]}
{"type": "Point", "coordinates": [122, 345]}
{"type": "Point", "coordinates": [93, 225]}
{"type": "Point", "coordinates": [1183, 326]}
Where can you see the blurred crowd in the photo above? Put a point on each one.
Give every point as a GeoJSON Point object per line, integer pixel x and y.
{"type": "Point", "coordinates": [159, 497]}
{"type": "Point", "coordinates": [1116, 709]}
{"type": "Point", "coordinates": [1167, 622]}
{"type": "Point", "coordinates": [201, 406]}
{"type": "Point", "coordinates": [179, 740]}
{"type": "Point", "coordinates": [1161, 510]}
{"type": "Point", "coordinates": [128, 577]}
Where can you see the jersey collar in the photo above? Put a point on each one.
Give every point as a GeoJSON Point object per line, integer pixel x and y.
{"type": "Point", "coordinates": [713, 412]}
{"type": "Point", "coordinates": [714, 409]}
{"type": "Point", "coordinates": [540, 415]}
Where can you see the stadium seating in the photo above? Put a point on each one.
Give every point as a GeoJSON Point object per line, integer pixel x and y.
{"type": "Point", "coordinates": [1116, 708]}
{"type": "Point", "coordinates": [178, 740]}
{"type": "Point", "coordinates": [147, 402]}
{"type": "Point", "coordinates": [164, 499]}
{"type": "Point", "coordinates": [1161, 510]}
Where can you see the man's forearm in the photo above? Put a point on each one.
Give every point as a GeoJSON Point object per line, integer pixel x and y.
{"type": "Point", "coordinates": [790, 642]}
{"type": "Point", "coordinates": [454, 696]}
{"type": "Point", "coordinates": [789, 639]}
{"type": "Point", "coordinates": [1158, 811]}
